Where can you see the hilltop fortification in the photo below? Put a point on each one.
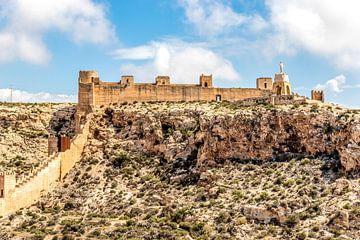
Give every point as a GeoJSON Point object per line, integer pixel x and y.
{"type": "Point", "coordinates": [94, 92]}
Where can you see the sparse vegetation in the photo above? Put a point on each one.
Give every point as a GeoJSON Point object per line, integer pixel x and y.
{"type": "Point", "coordinates": [117, 193]}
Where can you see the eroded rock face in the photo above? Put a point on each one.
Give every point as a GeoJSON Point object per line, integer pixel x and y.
{"type": "Point", "coordinates": [341, 186]}
{"type": "Point", "coordinates": [241, 134]}
{"type": "Point", "coordinates": [63, 122]}
{"type": "Point", "coordinates": [265, 215]}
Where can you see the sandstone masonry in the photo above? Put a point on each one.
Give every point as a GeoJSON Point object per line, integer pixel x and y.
{"type": "Point", "coordinates": [94, 92]}
{"type": "Point", "coordinates": [16, 193]}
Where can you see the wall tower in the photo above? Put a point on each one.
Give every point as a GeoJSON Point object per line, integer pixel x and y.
{"type": "Point", "coordinates": [318, 95]}
{"type": "Point", "coordinates": [206, 81]}
{"type": "Point", "coordinates": [264, 83]}
{"type": "Point", "coordinates": [162, 80]}
{"type": "Point", "coordinates": [127, 80]}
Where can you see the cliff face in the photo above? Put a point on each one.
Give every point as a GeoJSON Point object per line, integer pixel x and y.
{"type": "Point", "coordinates": [212, 134]}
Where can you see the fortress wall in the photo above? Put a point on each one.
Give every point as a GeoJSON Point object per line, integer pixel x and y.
{"type": "Point", "coordinates": [28, 190]}
{"type": "Point", "coordinates": [106, 94]}
{"type": "Point", "coordinates": [236, 94]}
{"type": "Point", "coordinates": [32, 190]}
{"type": "Point", "coordinates": [72, 155]}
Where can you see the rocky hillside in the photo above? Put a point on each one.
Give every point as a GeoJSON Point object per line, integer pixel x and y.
{"type": "Point", "coordinates": [24, 130]}
{"type": "Point", "coordinates": [214, 133]}
{"type": "Point", "coordinates": [206, 171]}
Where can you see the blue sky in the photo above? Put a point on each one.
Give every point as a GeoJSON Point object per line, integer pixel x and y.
{"type": "Point", "coordinates": [43, 44]}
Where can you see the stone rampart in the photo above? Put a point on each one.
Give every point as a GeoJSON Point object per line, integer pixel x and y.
{"type": "Point", "coordinates": [73, 154]}
{"type": "Point", "coordinates": [24, 191]}
{"type": "Point", "coordinates": [105, 94]}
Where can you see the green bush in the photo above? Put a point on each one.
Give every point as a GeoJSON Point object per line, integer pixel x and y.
{"type": "Point", "coordinates": [120, 160]}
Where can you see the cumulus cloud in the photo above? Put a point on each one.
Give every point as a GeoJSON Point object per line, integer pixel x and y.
{"type": "Point", "coordinates": [325, 28]}
{"type": "Point", "coordinates": [335, 85]}
{"type": "Point", "coordinates": [183, 62]}
{"type": "Point", "coordinates": [23, 96]}
{"type": "Point", "coordinates": [214, 17]}
{"type": "Point", "coordinates": [24, 24]}
{"type": "Point", "coordinates": [328, 28]}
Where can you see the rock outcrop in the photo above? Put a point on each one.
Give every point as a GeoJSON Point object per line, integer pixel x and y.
{"type": "Point", "coordinates": [214, 135]}
{"type": "Point", "coordinates": [265, 215]}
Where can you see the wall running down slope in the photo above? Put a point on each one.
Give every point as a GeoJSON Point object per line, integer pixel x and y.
{"type": "Point", "coordinates": [22, 192]}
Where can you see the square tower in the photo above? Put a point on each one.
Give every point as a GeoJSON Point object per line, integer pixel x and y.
{"type": "Point", "coordinates": [264, 83]}
{"type": "Point", "coordinates": [318, 95]}
{"type": "Point", "coordinates": [206, 81]}
{"type": "Point", "coordinates": [127, 80]}
{"type": "Point", "coordinates": [162, 80]}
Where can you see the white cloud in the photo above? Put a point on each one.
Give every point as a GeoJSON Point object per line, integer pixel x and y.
{"type": "Point", "coordinates": [327, 28]}
{"type": "Point", "coordinates": [26, 22]}
{"type": "Point", "coordinates": [214, 17]}
{"type": "Point", "coordinates": [136, 53]}
{"type": "Point", "coordinates": [335, 85]}
{"type": "Point", "coordinates": [183, 62]}
{"type": "Point", "coordinates": [23, 96]}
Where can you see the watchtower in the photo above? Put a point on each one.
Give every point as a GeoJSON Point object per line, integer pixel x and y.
{"type": "Point", "coordinates": [318, 95]}
{"type": "Point", "coordinates": [264, 83]}
{"type": "Point", "coordinates": [206, 81]}
{"type": "Point", "coordinates": [127, 80]}
{"type": "Point", "coordinates": [89, 77]}
{"type": "Point", "coordinates": [281, 84]}
{"type": "Point", "coordinates": [162, 80]}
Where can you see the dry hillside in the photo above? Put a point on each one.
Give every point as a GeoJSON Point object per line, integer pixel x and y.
{"type": "Point", "coordinates": [24, 131]}
{"type": "Point", "coordinates": [206, 171]}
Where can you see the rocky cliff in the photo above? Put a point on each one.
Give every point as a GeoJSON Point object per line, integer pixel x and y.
{"type": "Point", "coordinates": [212, 133]}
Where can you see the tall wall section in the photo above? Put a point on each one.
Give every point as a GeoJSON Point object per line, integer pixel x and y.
{"type": "Point", "coordinates": [20, 193]}
{"type": "Point", "coordinates": [71, 156]}
{"type": "Point", "coordinates": [112, 93]}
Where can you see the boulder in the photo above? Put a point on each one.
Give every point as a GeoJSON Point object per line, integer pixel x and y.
{"type": "Point", "coordinates": [264, 215]}
{"type": "Point", "coordinates": [341, 185]}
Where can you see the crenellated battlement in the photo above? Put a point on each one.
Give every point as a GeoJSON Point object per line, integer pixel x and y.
{"type": "Point", "coordinates": [33, 172]}
{"type": "Point", "coordinates": [16, 193]}
{"type": "Point", "coordinates": [318, 95]}
{"type": "Point", "coordinates": [7, 173]}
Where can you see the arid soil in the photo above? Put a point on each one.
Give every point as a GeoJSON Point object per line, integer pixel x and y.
{"type": "Point", "coordinates": [206, 171]}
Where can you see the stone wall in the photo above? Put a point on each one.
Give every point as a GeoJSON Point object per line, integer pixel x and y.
{"type": "Point", "coordinates": [72, 155]}
{"type": "Point", "coordinates": [105, 94]}
{"type": "Point", "coordinates": [22, 192]}
{"type": "Point", "coordinates": [28, 192]}
{"type": "Point", "coordinates": [93, 92]}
